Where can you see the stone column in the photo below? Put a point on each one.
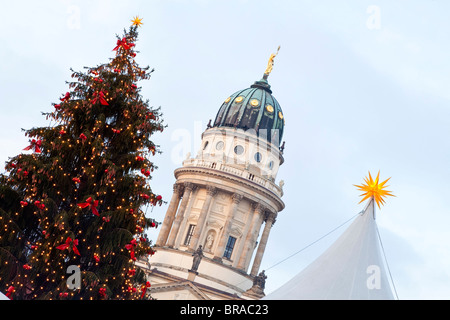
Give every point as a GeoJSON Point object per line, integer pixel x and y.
{"type": "Point", "coordinates": [176, 224]}
{"type": "Point", "coordinates": [170, 215]}
{"type": "Point", "coordinates": [262, 243]}
{"type": "Point", "coordinates": [250, 238]}
{"type": "Point", "coordinates": [210, 192]}
{"type": "Point", "coordinates": [247, 229]}
{"type": "Point", "coordinates": [236, 198]}
{"type": "Point", "coordinates": [181, 230]}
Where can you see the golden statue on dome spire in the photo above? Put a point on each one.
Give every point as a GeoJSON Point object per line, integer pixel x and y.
{"type": "Point", "coordinates": [270, 63]}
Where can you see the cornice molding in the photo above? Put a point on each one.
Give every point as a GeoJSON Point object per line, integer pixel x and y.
{"type": "Point", "coordinates": [230, 177]}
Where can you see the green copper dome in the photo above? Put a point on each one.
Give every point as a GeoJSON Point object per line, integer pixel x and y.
{"type": "Point", "coordinates": [253, 108]}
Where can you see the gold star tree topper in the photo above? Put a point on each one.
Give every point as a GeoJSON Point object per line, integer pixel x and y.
{"type": "Point", "coordinates": [375, 189]}
{"type": "Point", "coordinates": [137, 21]}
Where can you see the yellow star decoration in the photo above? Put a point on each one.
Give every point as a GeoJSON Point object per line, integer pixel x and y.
{"type": "Point", "coordinates": [372, 188]}
{"type": "Point", "coordinates": [137, 21]}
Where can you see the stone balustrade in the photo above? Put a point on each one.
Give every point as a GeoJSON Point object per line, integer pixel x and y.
{"type": "Point", "coordinates": [243, 173]}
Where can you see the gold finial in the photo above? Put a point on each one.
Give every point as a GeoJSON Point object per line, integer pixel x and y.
{"type": "Point", "coordinates": [270, 63]}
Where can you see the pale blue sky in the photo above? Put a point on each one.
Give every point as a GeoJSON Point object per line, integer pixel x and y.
{"type": "Point", "coordinates": [358, 94]}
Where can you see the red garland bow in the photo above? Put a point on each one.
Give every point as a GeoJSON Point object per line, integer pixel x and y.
{"type": "Point", "coordinates": [10, 292]}
{"type": "Point", "coordinates": [145, 172]}
{"type": "Point", "coordinates": [157, 200]}
{"type": "Point", "coordinates": [39, 205]}
{"type": "Point", "coordinates": [69, 241]}
{"type": "Point", "coordinates": [150, 116]}
{"type": "Point", "coordinates": [99, 96]}
{"type": "Point", "coordinates": [132, 244]}
{"type": "Point", "coordinates": [76, 180]}
{"type": "Point", "coordinates": [144, 289]}
{"type": "Point", "coordinates": [102, 292]}
{"type": "Point", "coordinates": [66, 97]}
{"type": "Point", "coordinates": [130, 247]}
{"type": "Point", "coordinates": [23, 203]}
{"type": "Point", "coordinates": [90, 203]}
{"type": "Point", "coordinates": [124, 44]}
{"type": "Point", "coordinates": [36, 144]}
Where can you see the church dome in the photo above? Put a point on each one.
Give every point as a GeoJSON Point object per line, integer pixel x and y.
{"type": "Point", "coordinates": [253, 108]}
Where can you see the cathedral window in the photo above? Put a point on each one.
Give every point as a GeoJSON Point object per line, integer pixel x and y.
{"type": "Point", "coordinates": [219, 145]}
{"type": "Point", "coordinates": [229, 247]}
{"type": "Point", "coordinates": [239, 149]}
{"type": "Point", "coordinates": [254, 102]}
{"type": "Point", "coordinates": [269, 108]}
{"type": "Point", "coordinates": [189, 235]}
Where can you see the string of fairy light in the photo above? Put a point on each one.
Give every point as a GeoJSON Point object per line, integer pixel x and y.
{"type": "Point", "coordinates": [95, 142]}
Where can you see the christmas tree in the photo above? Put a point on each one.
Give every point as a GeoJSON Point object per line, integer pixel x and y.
{"type": "Point", "coordinates": [72, 204]}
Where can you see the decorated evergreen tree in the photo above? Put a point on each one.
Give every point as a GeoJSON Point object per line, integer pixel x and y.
{"type": "Point", "coordinates": [75, 200]}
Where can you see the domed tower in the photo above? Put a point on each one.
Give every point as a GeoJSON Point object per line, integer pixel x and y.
{"type": "Point", "coordinates": [224, 204]}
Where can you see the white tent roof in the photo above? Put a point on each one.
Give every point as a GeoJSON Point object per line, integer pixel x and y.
{"type": "Point", "coordinates": [3, 297]}
{"type": "Point", "coordinates": [350, 269]}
